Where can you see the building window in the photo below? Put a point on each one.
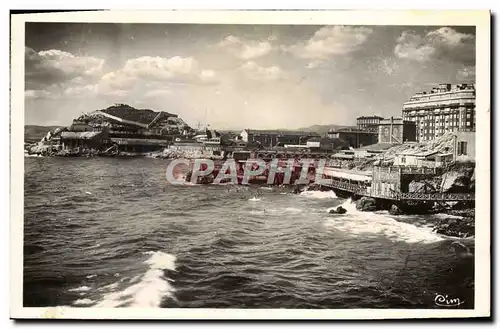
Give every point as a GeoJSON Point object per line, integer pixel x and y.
{"type": "Point", "coordinates": [403, 160]}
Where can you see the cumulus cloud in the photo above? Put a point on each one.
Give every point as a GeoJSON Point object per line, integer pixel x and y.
{"type": "Point", "coordinates": [81, 91]}
{"type": "Point", "coordinates": [256, 72]}
{"type": "Point", "coordinates": [330, 41]}
{"type": "Point", "coordinates": [52, 66]}
{"type": "Point", "coordinates": [247, 49]}
{"type": "Point", "coordinates": [443, 43]}
{"type": "Point", "coordinates": [34, 94]}
{"type": "Point", "coordinates": [147, 70]}
{"type": "Point", "coordinates": [157, 93]}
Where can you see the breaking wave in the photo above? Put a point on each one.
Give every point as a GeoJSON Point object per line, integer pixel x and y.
{"type": "Point", "coordinates": [80, 289]}
{"type": "Point", "coordinates": [357, 223]}
{"type": "Point", "coordinates": [84, 301]}
{"type": "Point", "coordinates": [147, 291]}
{"type": "Point", "coordinates": [319, 194]}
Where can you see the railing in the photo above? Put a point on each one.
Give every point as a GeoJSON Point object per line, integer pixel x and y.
{"type": "Point", "coordinates": [362, 190]}
{"type": "Point", "coordinates": [437, 196]}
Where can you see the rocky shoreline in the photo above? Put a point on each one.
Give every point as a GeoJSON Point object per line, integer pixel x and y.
{"type": "Point", "coordinates": [460, 223]}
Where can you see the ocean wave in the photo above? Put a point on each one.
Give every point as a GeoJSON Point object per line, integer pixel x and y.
{"type": "Point", "coordinates": [80, 289]}
{"type": "Point", "coordinates": [147, 291]}
{"type": "Point", "coordinates": [254, 199]}
{"type": "Point", "coordinates": [358, 223]}
{"type": "Point", "coordinates": [319, 194]}
{"type": "Point", "coordinates": [84, 301]}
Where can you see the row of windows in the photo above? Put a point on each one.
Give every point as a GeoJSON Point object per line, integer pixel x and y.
{"type": "Point", "coordinates": [439, 117]}
{"type": "Point", "coordinates": [445, 124]}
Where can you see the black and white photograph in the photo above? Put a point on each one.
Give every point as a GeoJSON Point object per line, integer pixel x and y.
{"type": "Point", "coordinates": [284, 164]}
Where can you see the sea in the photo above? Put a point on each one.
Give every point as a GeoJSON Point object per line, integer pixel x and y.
{"type": "Point", "coordinates": [113, 232]}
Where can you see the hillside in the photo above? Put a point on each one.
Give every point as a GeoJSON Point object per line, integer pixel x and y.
{"type": "Point", "coordinates": [321, 129]}
{"type": "Point", "coordinates": [34, 133]}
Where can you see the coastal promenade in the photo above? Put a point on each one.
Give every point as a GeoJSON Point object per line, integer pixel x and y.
{"type": "Point", "coordinates": [357, 183]}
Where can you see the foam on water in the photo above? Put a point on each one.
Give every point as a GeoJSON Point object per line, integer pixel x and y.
{"type": "Point", "coordinates": [84, 301]}
{"type": "Point", "coordinates": [79, 289]}
{"type": "Point", "coordinates": [292, 209]}
{"type": "Point", "coordinates": [254, 199]}
{"type": "Point", "coordinates": [319, 194]}
{"type": "Point", "coordinates": [147, 291]}
{"type": "Point", "coordinates": [357, 223]}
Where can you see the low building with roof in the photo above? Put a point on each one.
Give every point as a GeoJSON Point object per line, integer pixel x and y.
{"type": "Point", "coordinates": [432, 159]}
{"type": "Point", "coordinates": [354, 137]}
{"type": "Point", "coordinates": [270, 138]}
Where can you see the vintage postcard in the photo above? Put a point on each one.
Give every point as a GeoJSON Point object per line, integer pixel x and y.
{"type": "Point", "coordinates": [250, 165]}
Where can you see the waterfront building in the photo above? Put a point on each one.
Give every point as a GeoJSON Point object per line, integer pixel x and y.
{"type": "Point", "coordinates": [324, 145]}
{"type": "Point", "coordinates": [396, 131]}
{"type": "Point", "coordinates": [445, 108]}
{"type": "Point", "coordinates": [193, 149]}
{"type": "Point", "coordinates": [270, 138]}
{"type": "Point", "coordinates": [369, 123]}
{"type": "Point", "coordinates": [354, 137]}
{"type": "Point", "coordinates": [130, 129]}
{"type": "Point", "coordinates": [431, 159]}
{"type": "Point", "coordinates": [455, 147]}
{"type": "Point", "coordinates": [83, 139]}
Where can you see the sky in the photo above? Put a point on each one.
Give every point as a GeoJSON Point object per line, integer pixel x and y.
{"type": "Point", "coordinates": [239, 76]}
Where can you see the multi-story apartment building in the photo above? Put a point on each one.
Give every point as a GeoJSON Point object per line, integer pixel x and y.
{"type": "Point", "coordinates": [369, 123]}
{"type": "Point", "coordinates": [445, 108]}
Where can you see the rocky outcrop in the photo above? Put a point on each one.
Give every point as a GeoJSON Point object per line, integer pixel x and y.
{"type": "Point", "coordinates": [460, 180]}
{"type": "Point", "coordinates": [395, 210]}
{"type": "Point", "coordinates": [338, 210]}
{"type": "Point", "coordinates": [366, 204]}
{"type": "Point", "coordinates": [462, 227]}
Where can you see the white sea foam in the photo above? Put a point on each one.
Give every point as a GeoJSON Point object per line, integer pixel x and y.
{"type": "Point", "coordinates": [85, 301]}
{"type": "Point", "coordinates": [319, 194]}
{"type": "Point", "coordinates": [81, 288]}
{"type": "Point", "coordinates": [147, 291]}
{"type": "Point", "coordinates": [357, 223]}
{"type": "Point", "coordinates": [90, 276]}
{"type": "Point", "coordinates": [291, 209]}
{"type": "Point", "coordinates": [254, 199]}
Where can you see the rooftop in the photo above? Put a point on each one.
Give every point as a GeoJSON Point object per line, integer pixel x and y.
{"type": "Point", "coordinates": [444, 88]}
{"type": "Point", "coordinates": [377, 147]}
{"type": "Point", "coordinates": [369, 117]}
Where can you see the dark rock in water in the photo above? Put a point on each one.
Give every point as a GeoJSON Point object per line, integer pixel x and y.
{"type": "Point", "coordinates": [460, 227]}
{"type": "Point", "coordinates": [366, 204]}
{"type": "Point", "coordinates": [395, 210]}
{"type": "Point", "coordinates": [317, 187]}
{"type": "Point", "coordinates": [338, 210]}
{"type": "Point", "coordinates": [341, 210]}
{"type": "Point", "coordinates": [297, 189]}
